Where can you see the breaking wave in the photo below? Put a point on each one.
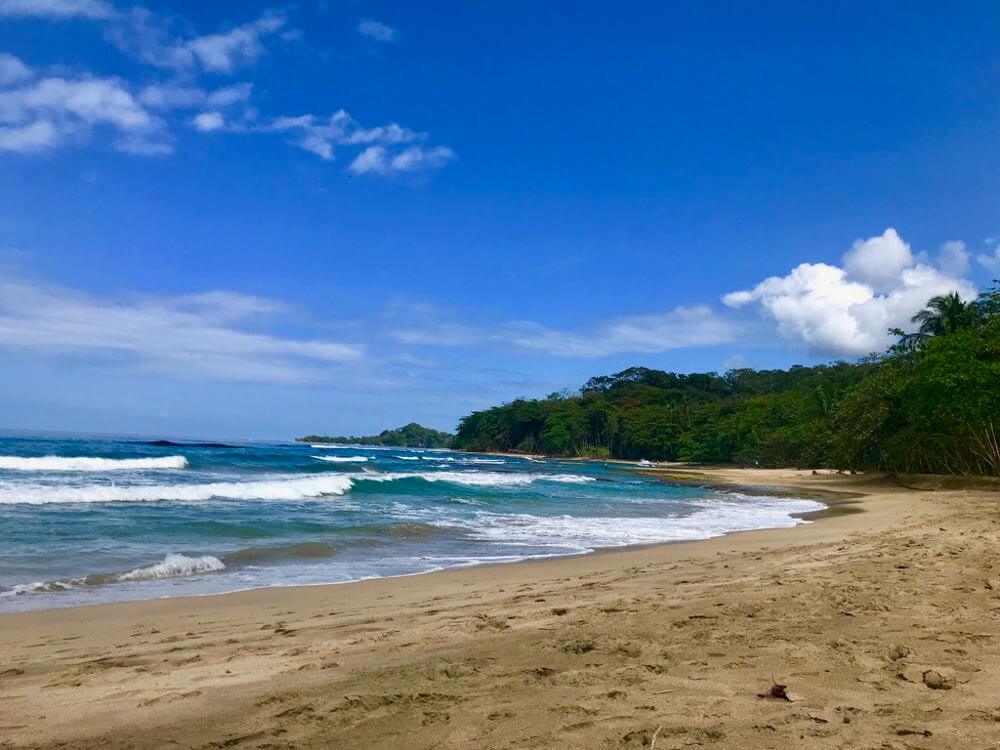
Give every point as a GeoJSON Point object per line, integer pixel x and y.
{"type": "Point", "coordinates": [483, 478]}
{"type": "Point", "coordinates": [302, 488]}
{"type": "Point", "coordinates": [316, 485]}
{"type": "Point", "coordinates": [85, 463]}
{"type": "Point", "coordinates": [342, 459]}
{"type": "Point", "coordinates": [172, 566]}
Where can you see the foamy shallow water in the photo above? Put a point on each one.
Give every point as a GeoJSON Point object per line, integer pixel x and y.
{"type": "Point", "coordinates": [85, 520]}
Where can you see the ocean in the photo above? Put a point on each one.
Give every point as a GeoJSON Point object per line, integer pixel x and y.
{"type": "Point", "coordinates": [86, 519]}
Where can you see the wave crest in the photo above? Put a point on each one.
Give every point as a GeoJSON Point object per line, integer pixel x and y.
{"type": "Point", "coordinates": [314, 485]}
{"type": "Point", "coordinates": [174, 566]}
{"type": "Point", "coordinates": [87, 463]}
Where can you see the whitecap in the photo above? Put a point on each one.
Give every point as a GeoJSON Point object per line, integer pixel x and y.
{"type": "Point", "coordinates": [174, 566]}
{"type": "Point", "coordinates": [88, 463]}
{"type": "Point", "coordinates": [301, 488]}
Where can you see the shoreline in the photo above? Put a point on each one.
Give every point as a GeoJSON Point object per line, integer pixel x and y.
{"type": "Point", "coordinates": [594, 650]}
{"type": "Point", "coordinates": [835, 502]}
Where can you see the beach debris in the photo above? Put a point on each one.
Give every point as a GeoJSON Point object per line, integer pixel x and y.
{"type": "Point", "coordinates": [780, 692]}
{"type": "Point", "coordinates": [937, 681]}
{"type": "Point", "coordinates": [898, 652]}
{"type": "Point", "coordinates": [559, 611]}
{"type": "Point", "coordinates": [914, 732]}
{"type": "Point", "coordinates": [652, 742]}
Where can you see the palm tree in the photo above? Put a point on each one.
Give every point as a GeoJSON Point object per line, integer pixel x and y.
{"type": "Point", "coordinates": [944, 314]}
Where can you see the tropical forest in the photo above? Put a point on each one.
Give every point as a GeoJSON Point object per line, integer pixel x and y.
{"type": "Point", "coordinates": [930, 404]}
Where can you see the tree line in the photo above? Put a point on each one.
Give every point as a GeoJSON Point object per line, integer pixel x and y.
{"type": "Point", "coordinates": [412, 435]}
{"type": "Point", "coordinates": [931, 404]}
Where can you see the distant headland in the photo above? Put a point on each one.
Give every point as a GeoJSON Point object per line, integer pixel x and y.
{"type": "Point", "coordinates": [412, 435]}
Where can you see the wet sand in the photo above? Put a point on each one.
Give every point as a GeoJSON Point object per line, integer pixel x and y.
{"type": "Point", "coordinates": [882, 618]}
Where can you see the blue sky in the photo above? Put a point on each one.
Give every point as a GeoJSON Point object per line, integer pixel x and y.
{"type": "Point", "coordinates": [246, 219]}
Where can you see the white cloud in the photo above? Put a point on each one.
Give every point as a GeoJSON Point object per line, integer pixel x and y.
{"type": "Point", "coordinates": [848, 310]}
{"type": "Point", "coordinates": [173, 96]}
{"type": "Point", "coordinates": [222, 53]}
{"type": "Point", "coordinates": [209, 121]}
{"type": "Point", "coordinates": [51, 111]}
{"type": "Point", "coordinates": [12, 70]}
{"type": "Point", "coordinates": [154, 41]}
{"type": "Point", "coordinates": [57, 9]}
{"type": "Point", "coordinates": [321, 136]}
{"type": "Point", "coordinates": [378, 159]}
{"type": "Point", "coordinates": [217, 335]}
{"type": "Point", "coordinates": [990, 262]}
{"type": "Point", "coordinates": [953, 258]}
{"type": "Point", "coordinates": [648, 334]}
{"type": "Point", "coordinates": [878, 261]}
{"type": "Point", "coordinates": [378, 31]}
{"type": "Point", "coordinates": [27, 139]}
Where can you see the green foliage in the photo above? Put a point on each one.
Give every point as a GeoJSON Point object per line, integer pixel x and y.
{"type": "Point", "coordinates": [772, 417]}
{"type": "Point", "coordinates": [931, 404]}
{"type": "Point", "coordinates": [412, 435]}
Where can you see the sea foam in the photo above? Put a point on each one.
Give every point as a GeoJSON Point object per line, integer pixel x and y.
{"type": "Point", "coordinates": [86, 463]}
{"type": "Point", "coordinates": [482, 478]}
{"type": "Point", "coordinates": [581, 533]}
{"type": "Point", "coordinates": [342, 459]}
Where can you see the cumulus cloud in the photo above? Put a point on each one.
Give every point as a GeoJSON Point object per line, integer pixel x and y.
{"type": "Point", "coordinates": [216, 335]}
{"type": "Point", "coordinates": [51, 111]}
{"type": "Point", "coordinates": [57, 9]}
{"type": "Point", "coordinates": [153, 40]}
{"type": "Point", "coordinates": [847, 310]}
{"type": "Point", "coordinates": [378, 31]}
{"type": "Point", "coordinates": [12, 70]}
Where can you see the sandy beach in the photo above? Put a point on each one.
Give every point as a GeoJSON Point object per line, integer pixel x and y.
{"type": "Point", "coordinates": [881, 618]}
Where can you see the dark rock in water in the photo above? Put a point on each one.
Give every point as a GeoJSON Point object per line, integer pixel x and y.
{"type": "Point", "coordinates": [173, 444]}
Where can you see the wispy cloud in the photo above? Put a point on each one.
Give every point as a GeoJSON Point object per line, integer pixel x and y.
{"type": "Point", "coordinates": [653, 333]}
{"type": "Point", "coordinates": [156, 40]}
{"type": "Point", "coordinates": [321, 135]}
{"type": "Point", "coordinates": [12, 70]}
{"type": "Point", "coordinates": [990, 261]}
{"type": "Point", "coordinates": [39, 112]}
{"type": "Point", "coordinates": [682, 327]}
{"type": "Point", "coordinates": [57, 9]}
{"type": "Point", "coordinates": [216, 335]}
{"type": "Point", "coordinates": [379, 160]}
{"type": "Point", "coordinates": [378, 31]}
{"type": "Point", "coordinates": [847, 310]}
{"type": "Point", "coordinates": [208, 121]}
{"type": "Point", "coordinates": [176, 96]}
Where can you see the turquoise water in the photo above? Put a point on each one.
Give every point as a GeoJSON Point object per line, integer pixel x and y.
{"type": "Point", "coordinates": [88, 519]}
